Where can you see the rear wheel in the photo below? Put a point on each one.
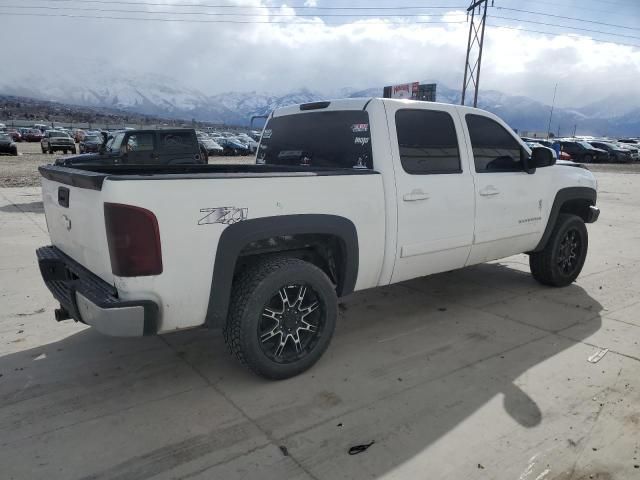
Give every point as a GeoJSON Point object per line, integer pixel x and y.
{"type": "Point", "coordinates": [562, 259]}
{"type": "Point", "coordinates": [14, 152]}
{"type": "Point", "coordinates": [281, 318]}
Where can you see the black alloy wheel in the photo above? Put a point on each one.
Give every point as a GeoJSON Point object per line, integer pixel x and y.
{"type": "Point", "coordinates": [291, 324]}
{"type": "Point", "coordinates": [569, 252]}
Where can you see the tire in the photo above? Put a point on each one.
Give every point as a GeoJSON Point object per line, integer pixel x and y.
{"type": "Point", "coordinates": [73, 150]}
{"type": "Point", "coordinates": [51, 151]}
{"type": "Point", "coordinates": [558, 264]}
{"type": "Point", "coordinates": [587, 159]}
{"type": "Point", "coordinates": [14, 152]}
{"type": "Point", "coordinates": [249, 332]}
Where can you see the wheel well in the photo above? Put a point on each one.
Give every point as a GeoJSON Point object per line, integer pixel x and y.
{"type": "Point", "coordinates": [325, 251]}
{"type": "Point", "coordinates": [578, 206]}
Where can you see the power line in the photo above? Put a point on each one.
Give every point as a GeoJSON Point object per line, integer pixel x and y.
{"type": "Point", "coordinates": [566, 18]}
{"type": "Point", "coordinates": [190, 5]}
{"type": "Point", "coordinates": [566, 5]}
{"type": "Point", "coordinates": [565, 36]}
{"type": "Point", "coordinates": [216, 14]}
{"type": "Point", "coordinates": [557, 4]}
{"type": "Point", "coordinates": [564, 26]}
{"type": "Point", "coordinates": [190, 20]}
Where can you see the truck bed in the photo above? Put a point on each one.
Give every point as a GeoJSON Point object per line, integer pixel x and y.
{"type": "Point", "coordinates": [93, 176]}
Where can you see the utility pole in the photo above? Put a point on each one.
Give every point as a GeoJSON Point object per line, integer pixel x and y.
{"type": "Point", "coordinates": [474, 43]}
{"type": "Point", "coordinates": [553, 102]}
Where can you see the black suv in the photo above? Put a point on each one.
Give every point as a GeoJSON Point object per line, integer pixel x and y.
{"type": "Point", "coordinates": [616, 154]}
{"type": "Point", "coordinates": [143, 147]}
{"type": "Point", "coordinates": [581, 151]}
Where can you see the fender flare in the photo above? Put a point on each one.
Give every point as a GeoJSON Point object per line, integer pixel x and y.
{"type": "Point", "coordinates": [564, 195]}
{"type": "Point", "coordinates": [235, 237]}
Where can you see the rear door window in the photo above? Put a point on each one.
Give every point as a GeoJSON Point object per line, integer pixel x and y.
{"type": "Point", "coordinates": [336, 139]}
{"type": "Point", "coordinates": [427, 142]}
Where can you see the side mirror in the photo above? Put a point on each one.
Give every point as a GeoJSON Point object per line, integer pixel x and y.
{"type": "Point", "coordinates": [541, 157]}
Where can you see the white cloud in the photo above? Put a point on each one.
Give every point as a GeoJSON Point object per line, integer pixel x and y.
{"type": "Point", "coordinates": [321, 55]}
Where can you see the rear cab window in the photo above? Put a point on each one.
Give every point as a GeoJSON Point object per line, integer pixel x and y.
{"type": "Point", "coordinates": [330, 139]}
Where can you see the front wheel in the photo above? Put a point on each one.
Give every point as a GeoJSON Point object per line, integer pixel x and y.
{"type": "Point", "coordinates": [588, 159]}
{"type": "Point", "coordinates": [562, 259]}
{"type": "Point", "coordinates": [281, 317]}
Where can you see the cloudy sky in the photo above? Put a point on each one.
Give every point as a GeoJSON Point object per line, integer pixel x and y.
{"type": "Point", "coordinates": [281, 46]}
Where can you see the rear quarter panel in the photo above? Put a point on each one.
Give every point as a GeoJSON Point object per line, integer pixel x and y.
{"type": "Point", "coordinates": [188, 249]}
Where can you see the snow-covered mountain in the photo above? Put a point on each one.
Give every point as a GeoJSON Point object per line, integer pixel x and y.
{"type": "Point", "coordinates": [161, 96]}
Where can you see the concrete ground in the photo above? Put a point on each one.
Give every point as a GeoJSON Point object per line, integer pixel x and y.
{"type": "Point", "coordinates": [475, 374]}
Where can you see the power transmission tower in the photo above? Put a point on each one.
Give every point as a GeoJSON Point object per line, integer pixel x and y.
{"type": "Point", "coordinates": [474, 44]}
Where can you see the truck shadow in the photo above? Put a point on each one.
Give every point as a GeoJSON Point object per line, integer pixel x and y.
{"type": "Point", "coordinates": [407, 365]}
{"type": "Point", "coordinates": [31, 207]}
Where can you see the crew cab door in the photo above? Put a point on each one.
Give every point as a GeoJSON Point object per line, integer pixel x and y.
{"type": "Point", "coordinates": [510, 203]}
{"type": "Point", "coordinates": [434, 188]}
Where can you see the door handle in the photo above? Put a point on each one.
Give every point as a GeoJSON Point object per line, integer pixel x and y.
{"type": "Point", "coordinates": [489, 191]}
{"type": "Point", "coordinates": [415, 196]}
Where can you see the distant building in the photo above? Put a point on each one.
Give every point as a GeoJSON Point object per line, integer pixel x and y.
{"type": "Point", "coordinates": [532, 134]}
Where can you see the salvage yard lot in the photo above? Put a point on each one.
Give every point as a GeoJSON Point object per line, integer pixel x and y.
{"type": "Point", "coordinates": [475, 374]}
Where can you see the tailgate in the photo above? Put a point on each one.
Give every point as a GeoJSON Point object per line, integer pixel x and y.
{"type": "Point", "coordinates": [75, 218]}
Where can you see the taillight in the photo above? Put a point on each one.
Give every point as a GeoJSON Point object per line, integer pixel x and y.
{"type": "Point", "coordinates": [134, 240]}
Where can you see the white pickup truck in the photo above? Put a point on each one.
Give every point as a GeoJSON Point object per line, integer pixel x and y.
{"type": "Point", "coordinates": [345, 195]}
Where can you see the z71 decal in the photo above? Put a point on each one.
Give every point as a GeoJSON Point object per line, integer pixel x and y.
{"type": "Point", "coordinates": [225, 215]}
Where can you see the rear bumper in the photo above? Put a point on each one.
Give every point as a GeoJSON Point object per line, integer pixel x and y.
{"type": "Point", "coordinates": [89, 299]}
{"type": "Point", "coordinates": [594, 213]}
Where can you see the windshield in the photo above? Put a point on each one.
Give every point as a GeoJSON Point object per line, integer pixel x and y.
{"type": "Point", "coordinates": [58, 134]}
{"type": "Point", "coordinates": [585, 145]}
{"type": "Point", "coordinates": [338, 139]}
{"type": "Point", "coordinates": [92, 138]}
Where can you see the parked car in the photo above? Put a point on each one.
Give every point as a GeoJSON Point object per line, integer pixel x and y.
{"type": "Point", "coordinates": [143, 147]}
{"type": "Point", "coordinates": [582, 151]}
{"type": "Point", "coordinates": [7, 144]}
{"type": "Point", "coordinates": [633, 149]}
{"type": "Point", "coordinates": [90, 144]}
{"type": "Point", "coordinates": [248, 141]}
{"type": "Point", "coordinates": [616, 154]}
{"type": "Point", "coordinates": [231, 147]}
{"type": "Point", "coordinates": [57, 141]}
{"type": "Point", "coordinates": [209, 145]}
{"type": "Point", "coordinates": [564, 156]}
{"type": "Point", "coordinates": [352, 194]}
{"type": "Point", "coordinates": [34, 135]}
{"type": "Point", "coordinates": [15, 135]}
